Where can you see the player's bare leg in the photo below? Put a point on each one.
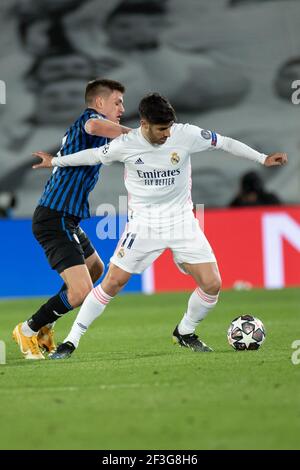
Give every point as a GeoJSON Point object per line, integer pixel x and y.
{"type": "Point", "coordinates": [115, 280]}
{"type": "Point", "coordinates": [202, 300]}
{"type": "Point", "coordinates": [92, 307]}
{"type": "Point", "coordinates": [206, 275]}
{"type": "Point", "coordinates": [79, 284]}
{"type": "Point", "coordinates": [95, 266]}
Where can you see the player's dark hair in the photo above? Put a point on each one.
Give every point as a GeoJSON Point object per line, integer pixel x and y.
{"type": "Point", "coordinates": [101, 86]}
{"type": "Point", "coordinates": [156, 109]}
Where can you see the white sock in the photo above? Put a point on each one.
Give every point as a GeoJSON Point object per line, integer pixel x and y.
{"type": "Point", "coordinates": [27, 331]}
{"type": "Point", "coordinates": [50, 325]}
{"type": "Point", "coordinates": [92, 307]}
{"type": "Point", "coordinates": [199, 305]}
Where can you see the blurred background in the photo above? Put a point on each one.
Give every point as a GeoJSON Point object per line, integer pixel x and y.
{"type": "Point", "coordinates": [226, 65]}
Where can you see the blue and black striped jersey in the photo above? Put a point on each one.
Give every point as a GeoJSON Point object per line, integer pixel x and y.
{"type": "Point", "coordinates": [68, 188]}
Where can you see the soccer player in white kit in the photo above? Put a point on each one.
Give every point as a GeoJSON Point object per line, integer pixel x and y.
{"type": "Point", "coordinates": [157, 164]}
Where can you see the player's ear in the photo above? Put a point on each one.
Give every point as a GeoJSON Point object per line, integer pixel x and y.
{"type": "Point", "coordinates": [99, 101]}
{"type": "Point", "coordinates": [144, 124]}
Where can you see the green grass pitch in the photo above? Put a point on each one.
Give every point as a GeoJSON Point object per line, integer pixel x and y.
{"type": "Point", "coordinates": [128, 387]}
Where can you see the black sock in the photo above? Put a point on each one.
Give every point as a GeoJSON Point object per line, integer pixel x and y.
{"type": "Point", "coordinates": [63, 288]}
{"type": "Point", "coordinates": [50, 311]}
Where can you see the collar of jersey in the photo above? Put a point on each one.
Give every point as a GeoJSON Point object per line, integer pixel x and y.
{"type": "Point", "coordinates": [95, 110]}
{"type": "Point", "coordinates": [153, 146]}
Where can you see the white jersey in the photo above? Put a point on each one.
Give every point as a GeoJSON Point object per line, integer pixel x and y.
{"type": "Point", "coordinates": [158, 177]}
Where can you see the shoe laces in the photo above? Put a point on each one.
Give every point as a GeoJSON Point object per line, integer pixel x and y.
{"type": "Point", "coordinates": [193, 339]}
{"type": "Point", "coordinates": [62, 347]}
{"type": "Point", "coordinates": [35, 346]}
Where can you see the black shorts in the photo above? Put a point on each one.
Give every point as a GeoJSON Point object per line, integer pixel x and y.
{"type": "Point", "coordinates": [60, 236]}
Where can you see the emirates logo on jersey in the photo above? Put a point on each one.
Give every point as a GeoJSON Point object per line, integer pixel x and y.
{"type": "Point", "coordinates": [175, 158]}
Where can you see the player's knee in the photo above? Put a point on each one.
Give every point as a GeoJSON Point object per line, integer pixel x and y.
{"type": "Point", "coordinates": [116, 282]}
{"type": "Point", "coordinates": [77, 296]}
{"type": "Point", "coordinates": [212, 286]}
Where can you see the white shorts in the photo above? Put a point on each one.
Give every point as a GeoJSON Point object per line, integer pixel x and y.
{"type": "Point", "coordinates": [138, 248]}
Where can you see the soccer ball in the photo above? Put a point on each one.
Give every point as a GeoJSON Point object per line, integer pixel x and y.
{"type": "Point", "coordinates": [246, 332]}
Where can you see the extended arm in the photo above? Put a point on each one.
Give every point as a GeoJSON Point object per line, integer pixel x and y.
{"type": "Point", "coordinates": [106, 154]}
{"type": "Point", "coordinates": [87, 157]}
{"type": "Point", "coordinates": [239, 149]}
{"type": "Point", "coordinates": [105, 128]}
{"type": "Point", "coordinates": [198, 140]}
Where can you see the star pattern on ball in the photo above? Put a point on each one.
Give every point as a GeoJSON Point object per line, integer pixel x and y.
{"type": "Point", "coordinates": [239, 323]}
{"type": "Point", "coordinates": [241, 340]}
{"type": "Point", "coordinates": [247, 339]}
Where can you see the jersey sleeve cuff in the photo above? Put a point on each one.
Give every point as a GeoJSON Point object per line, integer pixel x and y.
{"type": "Point", "coordinates": [262, 158]}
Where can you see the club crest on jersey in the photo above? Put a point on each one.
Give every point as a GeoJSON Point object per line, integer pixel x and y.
{"type": "Point", "coordinates": [175, 158]}
{"type": "Point", "coordinates": [105, 149]}
{"type": "Point", "coordinates": [206, 134]}
{"type": "Point", "coordinates": [121, 253]}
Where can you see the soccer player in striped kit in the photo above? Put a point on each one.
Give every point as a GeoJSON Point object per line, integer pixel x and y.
{"type": "Point", "coordinates": [63, 204]}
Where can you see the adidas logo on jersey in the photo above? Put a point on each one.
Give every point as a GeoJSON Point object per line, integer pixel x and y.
{"type": "Point", "coordinates": [139, 161]}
